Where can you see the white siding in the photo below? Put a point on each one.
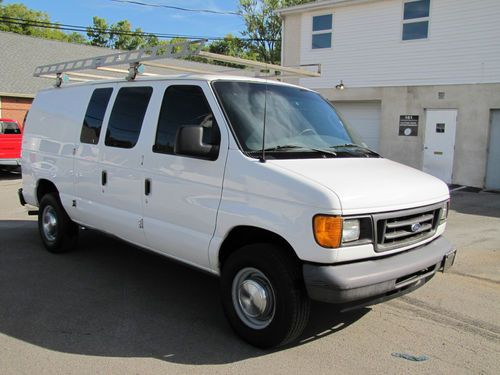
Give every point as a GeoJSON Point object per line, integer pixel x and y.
{"type": "Point", "coordinates": [367, 50]}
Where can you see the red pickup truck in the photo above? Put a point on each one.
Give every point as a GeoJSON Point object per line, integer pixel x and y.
{"type": "Point", "coordinates": [10, 143]}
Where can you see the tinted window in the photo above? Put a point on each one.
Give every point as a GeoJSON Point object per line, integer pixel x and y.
{"type": "Point", "coordinates": [294, 116]}
{"type": "Point", "coordinates": [94, 116]}
{"type": "Point", "coordinates": [322, 40]}
{"type": "Point", "coordinates": [416, 9]}
{"type": "Point", "coordinates": [322, 22]}
{"type": "Point", "coordinates": [415, 30]}
{"type": "Point", "coordinates": [184, 105]}
{"type": "Point", "coordinates": [127, 116]}
{"type": "Point", "coordinates": [9, 127]}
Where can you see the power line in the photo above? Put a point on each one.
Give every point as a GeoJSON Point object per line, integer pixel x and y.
{"type": "Point", "coordinates": [212, 11]}
{"type": "Point", "coordinates": [85, 29]}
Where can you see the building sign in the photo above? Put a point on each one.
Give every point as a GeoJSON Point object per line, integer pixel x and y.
{"type": "Point", "coordinates": [408, 125]}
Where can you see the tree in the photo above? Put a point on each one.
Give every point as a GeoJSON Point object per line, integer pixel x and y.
{"type": "Point", "coordinates": [17, 18]}
{"type": "Point", "coordinates": [98, 34]}
{"type": "Point", "coordinates": [118, 35]}
{"type": "Point", "coordinates": [263, 26]}
{"type": "Point", "coordinates": [231, 46]}
{"type": "Point", "coordinates": [123, 37]}
{"type": "Point", "coordinates": [75, 37]}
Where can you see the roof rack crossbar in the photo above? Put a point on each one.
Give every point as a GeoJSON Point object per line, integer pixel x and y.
{"type": "Point", "coordinates": [135, 60]}
{"type": "Point", "coordinates": [175, 50]}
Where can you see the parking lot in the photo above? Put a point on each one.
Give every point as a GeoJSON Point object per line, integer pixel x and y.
{"type": "Point", "coordinates": [109, 308]}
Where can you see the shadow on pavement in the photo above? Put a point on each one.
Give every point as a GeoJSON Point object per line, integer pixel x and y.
{"type": "Point", "coordinates": [7, 174]}
{"type": "Point", "coordinates": [481, 204]}
{"type": "Point", "coordinates": [110, 299]}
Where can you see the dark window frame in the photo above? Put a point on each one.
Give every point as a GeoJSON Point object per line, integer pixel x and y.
{"type": "Point", "coordinates": [110, 140]}
{"type": "Point", "coordinates": [415, 21]}
{"type": "Point", "coordinates": [321, 32]}
{"type": "Point", "coordinates": [216, 137]}
{"type": "Point", "coordinates": [95, 139]}
{"type": "Point", "coordinates": [3, 127]}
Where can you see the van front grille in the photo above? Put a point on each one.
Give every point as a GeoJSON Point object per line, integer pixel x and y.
{"type": "Point", "coordinates": [404, 228]}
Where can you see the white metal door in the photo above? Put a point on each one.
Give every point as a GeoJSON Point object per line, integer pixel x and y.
{"type": "Point", "coordinates": [180, 208]}
{"type": "Point", "coordinates": [121, 177]}
{"type": "Point", "coordinates": [493, 166]}
{"type": "Point", "coordinates": [364, 119]}
{"type": "Point", "coordinates": [439, 143]}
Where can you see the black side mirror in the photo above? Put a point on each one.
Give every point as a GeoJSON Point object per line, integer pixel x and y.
{"type": "Point", "coordinates": [189, 142]}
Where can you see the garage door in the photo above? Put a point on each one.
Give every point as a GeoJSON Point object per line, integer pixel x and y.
{"type": "Point", "coordinates": [493, 163]}
{"type": "Point", "coordinates": [364, 118]}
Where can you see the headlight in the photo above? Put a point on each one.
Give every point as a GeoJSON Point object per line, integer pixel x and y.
{"type": "Point", "coordinates": [332, 231]}
{"type": "Point", "coordinates": [444, 212]}
{"type": "Point", "coordinates": [351, 230]}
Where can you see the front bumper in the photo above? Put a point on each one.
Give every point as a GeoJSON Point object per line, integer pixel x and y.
{"type": "Point", "coordinates": [372, 281]}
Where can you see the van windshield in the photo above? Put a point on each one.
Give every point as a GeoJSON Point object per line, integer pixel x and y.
{"type": "Point", "coordinates": [298, 121]}
{"type": "Point", "coordinates": [9, 127]}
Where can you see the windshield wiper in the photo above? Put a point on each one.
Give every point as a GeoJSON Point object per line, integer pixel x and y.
{"type": "Point", "coordinates": [358, 147]}
{"type": "Point", "coordinates": [296, 147]}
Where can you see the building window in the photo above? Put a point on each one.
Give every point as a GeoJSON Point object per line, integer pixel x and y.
{"type": "Point", "coordinates": [416, 19]}
{"type": "Point", "coordinates": [322, 31]}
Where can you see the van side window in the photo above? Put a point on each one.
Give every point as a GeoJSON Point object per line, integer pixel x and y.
{"type": "Point", "coordinates": [94, 116]}
{"type": "Point", "coordinates": [126, 118]}
{"type": "Point", "coordinates": [184, 105]}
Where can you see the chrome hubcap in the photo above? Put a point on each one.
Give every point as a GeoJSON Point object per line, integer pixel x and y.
{"type": "Point", "coordinates": [49, 223]}
{"type": "Point", "coordinates": [253, 298]}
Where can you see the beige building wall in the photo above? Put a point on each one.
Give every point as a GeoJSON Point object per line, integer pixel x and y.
{"type": "Point", "coordinates": [290, 51]}
{"type": "Point", "coordinates": [473, 102]}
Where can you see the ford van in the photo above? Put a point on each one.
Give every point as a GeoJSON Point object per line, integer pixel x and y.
{"type": "Point", "coordinates": [259, 183]}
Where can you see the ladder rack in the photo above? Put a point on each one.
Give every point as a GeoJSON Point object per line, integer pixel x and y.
{"type": "Point", "coordinates": [135, 60]}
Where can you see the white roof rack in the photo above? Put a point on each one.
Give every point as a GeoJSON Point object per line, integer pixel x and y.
{"type": "Point", "coordinates": [137, 59]}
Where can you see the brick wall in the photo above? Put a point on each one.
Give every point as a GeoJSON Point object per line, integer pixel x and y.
{"type": "Point", "coordinates": [14, 108]}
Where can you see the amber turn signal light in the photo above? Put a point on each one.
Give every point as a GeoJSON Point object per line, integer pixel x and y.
{"type": "Point", "coordinates": [328, 230]}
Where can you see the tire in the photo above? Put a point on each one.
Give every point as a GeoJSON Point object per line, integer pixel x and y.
{"type": "Point", "coordinates": [263, 295]}
{"type": "Point", "coordinates": [59, 234]}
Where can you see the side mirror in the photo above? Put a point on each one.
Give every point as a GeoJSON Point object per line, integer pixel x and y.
{"type": "Point", "coordinates": [189, 142]}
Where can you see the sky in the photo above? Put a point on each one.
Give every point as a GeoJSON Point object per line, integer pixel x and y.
{"type": "Point", "coordinates": [156, 20]}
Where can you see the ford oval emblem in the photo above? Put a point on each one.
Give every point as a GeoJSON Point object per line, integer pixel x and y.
{"type": "Point", "coordinates": [415, 227]}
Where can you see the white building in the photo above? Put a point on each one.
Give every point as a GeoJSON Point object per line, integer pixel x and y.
{"type": "Point", "coordinates": [421, 78]}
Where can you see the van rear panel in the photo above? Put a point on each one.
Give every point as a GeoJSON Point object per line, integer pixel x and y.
{"type": "Point", "coordinates": [52, 129]}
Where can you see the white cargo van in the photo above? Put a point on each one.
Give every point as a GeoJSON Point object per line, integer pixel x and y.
{"type": "Point", "coordinates": [258, 182]}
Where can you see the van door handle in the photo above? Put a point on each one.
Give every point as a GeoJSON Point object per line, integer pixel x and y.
{"type": "Point", "coordinates": [104, 178]}
{"type": "Point", "coordinates": [147, 186]}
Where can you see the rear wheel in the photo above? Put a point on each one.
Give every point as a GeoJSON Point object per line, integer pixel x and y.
{"type": "Point", "coordinates": [59, 234]}
{"type": "Point", "coordinates": [263, 295]}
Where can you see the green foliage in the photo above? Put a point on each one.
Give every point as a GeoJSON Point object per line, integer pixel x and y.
{"type": "Point", "coordinates": [263, 26]}
{"type": "Point", "coordinates": [98, 34]}
{"type": "Point", "coordinates": [27, 21]}
{"type": "Point", "coordinates": [118, 35]}
{"type": "Point", "coordinates": [231, 46]}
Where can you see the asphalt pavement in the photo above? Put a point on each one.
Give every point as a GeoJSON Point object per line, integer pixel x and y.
{"type": "Point", "coordinates": [109, 308]}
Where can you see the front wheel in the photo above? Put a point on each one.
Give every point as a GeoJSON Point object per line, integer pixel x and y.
{"type": "Point", "coordinates": [263, 295]}
{"type": "Point", "coordinates": [58, 232]}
